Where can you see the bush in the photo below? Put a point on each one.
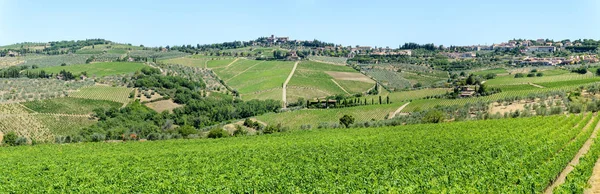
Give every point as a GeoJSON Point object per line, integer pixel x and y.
{"type": "Point", "coordinates": [540, 74]}
{"type": "Point", "coordinates": [346, 120]}
{"type": "Point", "coordinates": [239, 131]}
{"type": "Point", "coordinates": [519, 75]}
{"type": "Point", "coordinates": [434, 116]}
{"type": "Point", "coordinates": [186, 130]}
{"type": "Point", "coordinates": [154, 136]}
{"type": "Point", "coordinates": [10, 138]}
{"type": "Point", "coordinates": [21, 141]}
{"type": "Point", "coordinates": [98, 137]}
{"type": "Point", "coordinates": [217, 133]}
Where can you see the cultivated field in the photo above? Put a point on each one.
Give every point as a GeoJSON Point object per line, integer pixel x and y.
{"type": "Point", "coordinates": [23, 89]}
{"type": "Point", "coordinates": [55, 60]}
{"type": "Point", "coordinates": [314, 117]}
{"type": "Point", "coordinates": [527, 153]}
{"type": "Point", "coordinates": [116, 94]}
{"type": "Point", "coordinates": [315, 80]}
{"type": "Point", "coordinates": [69, 105]}
{"type": "Point", "coordinates": [98, 69]}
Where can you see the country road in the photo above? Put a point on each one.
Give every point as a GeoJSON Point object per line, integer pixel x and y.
{"type": "Point", "coordinates": [284, 96]}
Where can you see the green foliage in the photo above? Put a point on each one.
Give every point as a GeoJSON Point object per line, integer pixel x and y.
{"type": "Point", "coordinates": [519, 75]}
{"type": "Point", "coordinates": [217, 133]}
{"type": "Point", "coordinates": [10, 139]}
{"type": "Point", "coordinates": [530, 152]}
{"type": "Point", "coordinates": [347, 120]}
{"type": "Point", "coordinates": [433, 116]}
{"type": "Point", "coordinates": [69, 105]}
{"type": "Point", "coordinates": [186, 130]}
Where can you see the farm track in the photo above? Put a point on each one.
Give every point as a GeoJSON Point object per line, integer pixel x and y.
{"type": "Point", "coordinates": [340, 86]}
{"type": "Point", "coordinates": [398, 110]}
{"type": "Point", "coordinates": [236, 59]}
{"type": "Point", "coordinates": [571, 166]}
{"type": "Point", "coordinates": [240, 73]}
{"type": "Point", "coordinates": [284, 96]}
{"type": "Point", "coordinates": [535, 85]}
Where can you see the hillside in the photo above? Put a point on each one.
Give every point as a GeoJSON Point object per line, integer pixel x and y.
{"type": "Point", "coordinates": [388, 159]}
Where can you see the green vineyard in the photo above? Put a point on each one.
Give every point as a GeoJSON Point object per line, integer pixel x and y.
{"type": "Point", "coordinates": [495, 156]}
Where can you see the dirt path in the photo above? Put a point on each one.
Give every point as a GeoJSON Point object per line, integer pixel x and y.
{"type": "Point", "coordinates": [284, 96]}
{"type": "Point", "coordinates": [340, 86]}
{"type": "Point", "coordinates": [236, 59]}
{"type": "Point", "coordinates": [594, 180]}
{"type": "Point", "coordinates": [26, 108]}
{"type": "Point", "coordinates": [582, 151]}
{"type": "Point", "coordinates": [398, 111]}
{"type": "Point", "coordinates": [240, 73]}
{"type": "Point", "coordinates": [535, 85]}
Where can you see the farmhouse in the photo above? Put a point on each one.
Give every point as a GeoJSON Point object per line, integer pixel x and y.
{"type": "Point", "coordinates": [12, 54]}
{"type": "Point", "coordinates": [273, 39]}
{"type": "Point", "coordinates": [467, 91]}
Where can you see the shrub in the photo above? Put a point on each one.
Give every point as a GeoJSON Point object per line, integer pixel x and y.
{"type": "Point", "coordinates": [154, 136]}
{"type": "Point", "coordinates": [346, 120]}
{"type": "Point", "coordinates": [98, 137]}
{"type": "Point", "coordinates": [239, 131]}
{"type": "Point", "coordinates": [519, 75]}
{"type": "Point", "coordinates": [21, 141]}
{"type": "Point", "coordinates": [186, 130]}
{"type": "Point", "coordinates": [217, 133]}
{"type": "Point", "coordinates": [10, 138]}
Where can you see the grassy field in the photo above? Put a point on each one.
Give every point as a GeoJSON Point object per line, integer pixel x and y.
{"type": "Point", "coordinates": [415, 94]}
{"type": "Point", "coordinates": [55, 60]}
{"type": "Point", "coordinates": [116, 94]}
{"type": "Point", "coordinates": [98, 69]}
{"type": "Point", "coordinates": [314, 117]}
{"type": "Point", "coordinates": [188, 61]}
{"type": "Point", "coordinates": [69, 105]}
{"type": "Point", "coordinates": [511, 80]}
{"type": "Point", "coordinates": [492, 71]}
{"type": "Point", "coordinates": [311, 80]}
{"type": "Point", "coordinates": [493, 156]}
{"type": "Point", "coordinates": [219, 63]}
{"type": "Point", "coordinates": [261, 76]}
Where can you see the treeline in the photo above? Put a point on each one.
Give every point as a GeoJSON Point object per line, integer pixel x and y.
{"type": "Point", "coordinates": [25, 71]}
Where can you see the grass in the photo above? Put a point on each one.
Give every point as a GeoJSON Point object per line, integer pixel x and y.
{"type": "Point", "coordinates": [98, 69]}
{"type": "Point", "coordinates": [314, 117]}
{"type": "Point", "coordinates": [569, 83]}
{"type": "Point", "coordinates": [515, 87]}
{"type": "Point", "coordinates": [188, 61]}
{"type": "Point", "coordinates": [264, 75]}
{"type": "Point", "coordinates": [488, 71]}
{"type": "Point", "coordinates": [511, 80]}
{"type": "Point", "coordinates": [415, 94]}
{"type": "Point", "coordinates": [355, 87]}
{"type": "Point", "coordinates": [69, 105]}
{"type": "Point", "coordinates": [228, 72]}
{"type": "Point", "coordinates": [274, 94]}
{"type": "Point", "coordinates": [219, 63]}
{"type": "Point", "coordinates": [311, 76]}
{"type": "Point", "coordinates": [116, 94]}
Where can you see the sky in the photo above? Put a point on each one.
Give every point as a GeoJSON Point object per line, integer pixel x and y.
{"type": "Point", "coordinates": [348, 22]}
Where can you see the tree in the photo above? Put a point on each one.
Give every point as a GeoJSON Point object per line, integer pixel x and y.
{"type": "Point", "coordinates": [598, 71]}
{"type": "Point", "coordinates": [10, 139]}
{"type": "Point", "coordinates": [186, 130]}
{"type": "Point", "coordinates": [347, 120]}
{"type": "Point", "coordinates": [217, 133]}
{"type": "Point", "coordinates": [433, 116]}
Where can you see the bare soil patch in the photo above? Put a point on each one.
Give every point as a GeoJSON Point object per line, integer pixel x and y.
{"type": "Point", "coordinates": [160, 106]}
{"type": "Point", "coordinates": [350, 76]}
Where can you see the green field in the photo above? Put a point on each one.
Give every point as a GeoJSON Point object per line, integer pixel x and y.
{"type": "Point", "coordinates": [311, 81]}
{"type": "Point", "coordinates": [416, 94]}
{"type": "Point", "coordinates": [219, 63]}
{"type": "Point", "coordinates": [314, 117]}
{"type": "Point", "coordinates": [69, 105]}
{"type": "Point", "coordinates": [493, 156]}
{"type": "Point", "coordinates": [262, 76]}
{"type": "Point", "coordinates": [98, 69]}
{"type": "Point", "coordinates": [188, 61]}
{"type": "Point", "coordinates": [116, 94]}
{"type": "Point", "coordinates": [510, 79]}
{"type": "Point", "coordinates": [492, 71]}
